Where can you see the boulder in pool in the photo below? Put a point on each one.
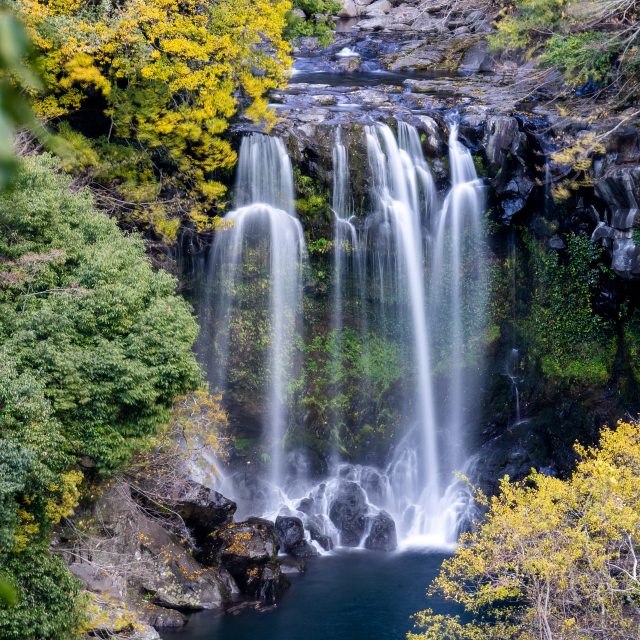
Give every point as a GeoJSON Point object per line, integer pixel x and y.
{"type": "Point", "coordinates": [382, 535]}
{"type": "Point", "coordinates": [289, 532]}
{"type": "Point", "coordinates": [347, 512]}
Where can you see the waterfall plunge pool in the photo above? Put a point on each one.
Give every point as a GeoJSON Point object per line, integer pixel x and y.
{"type": "Point", "coordinates": [346, 595]}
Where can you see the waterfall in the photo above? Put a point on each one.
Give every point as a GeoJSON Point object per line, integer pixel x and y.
{"type": "Point", "coordinates": [344, 234]}
{"type": "Point", "coordinates": [345, 238]}
{"type": "Point", "coordinates": [264, 241]}
{"type": "Point", "coordinates": [402, 187]}
{"type": "Point", "coordinates": [460, 215]}
{"type": "Point", "coordinates": [264, 174]}
{"type": "Point", "coordinates": [414, 269]}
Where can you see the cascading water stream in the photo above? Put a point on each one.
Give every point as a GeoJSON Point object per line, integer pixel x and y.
{"type": "Point", "coordinates": [460, 215]}
{"type": "Point", "coordinates": [405, 236]}
{"type": "Point", "coordinates": [345, 235]}
{"type": "Point", "coordinates": [401, 181]}
{"type": "Point", "coordinates": [265, 238]}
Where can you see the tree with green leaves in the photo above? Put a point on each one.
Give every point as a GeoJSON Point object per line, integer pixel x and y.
{"type": "Point", "coordinates": [94, 347]}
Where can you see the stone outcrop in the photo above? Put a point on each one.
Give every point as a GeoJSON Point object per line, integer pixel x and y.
{"type": "Point", "coordinates": [347, 512]}
{"type": "Point", "coordinates": [618, 237]}
{"type": "Point", "coordinates": [382, 533]}
{"type": "Point", "coordinates": [248, 551]}
{"type": "Point", "coordinates": [204, 510]}
{"type": "Point", "coordinates": [290, 537]}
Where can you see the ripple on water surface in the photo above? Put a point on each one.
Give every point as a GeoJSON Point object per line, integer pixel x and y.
{"type": "Point", "coordinates": [353, 595]}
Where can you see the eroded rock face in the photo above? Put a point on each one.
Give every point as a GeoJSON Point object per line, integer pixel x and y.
{"type": "Point", "coordinates": [618, 237]}
{"type": "Point", "coordinates": [382, 535]}
{"type": "Point", "coordinates": [241, 544]}
{"type": "Point", "coordinates": [620, 187]}
{"type": "Point", "coordinates": [204, 510]}
{"type": "Point", "coordinates": [347, 512]}
{"type": "Point", "coordinates": [289, 532]}
{"type": "Point", "coordinates": [504, 147]}
{"type": "Point", "coordinates": [248, 550]}
{"type": "Point", "coordinates": [265, 581]}
{"type": "Point", "coordinates": [290, 537]}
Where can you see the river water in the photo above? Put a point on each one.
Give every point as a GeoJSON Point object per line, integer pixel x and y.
{"type": "Point", "coordinates": [355, 595]}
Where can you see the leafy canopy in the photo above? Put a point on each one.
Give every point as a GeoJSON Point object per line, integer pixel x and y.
{"type": "Point", "coordinates": [82, 307]}
{"type": "Point", "coordinates": [94, 347]}
{"type": "Point", "coordinates": [147, 87]}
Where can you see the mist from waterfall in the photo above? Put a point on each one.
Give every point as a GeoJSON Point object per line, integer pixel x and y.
{"type": "Point", "coordinates": [265, 240]}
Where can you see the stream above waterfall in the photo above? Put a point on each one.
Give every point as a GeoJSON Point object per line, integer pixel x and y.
{"type": "Point", "coordinates": [357, 595]}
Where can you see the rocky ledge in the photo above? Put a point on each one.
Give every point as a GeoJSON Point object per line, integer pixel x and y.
{"type": "Point", "coordinates": [144, 567]}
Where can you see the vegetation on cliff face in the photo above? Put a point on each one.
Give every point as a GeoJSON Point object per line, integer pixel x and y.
{"type": "Point", "coordinates": [317, 23]}
{"type": "Point", "coordinates": [593, 44]}
{"type": "Point", "coordinates": [552, 558]}
{"type": "Point", "coordinates": [94, 347]}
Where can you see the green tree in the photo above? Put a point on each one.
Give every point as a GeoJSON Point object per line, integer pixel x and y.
{"type": "Point", "coordinates": [94, 347]}
{"type": "Point", "coordinates": [143, 92]}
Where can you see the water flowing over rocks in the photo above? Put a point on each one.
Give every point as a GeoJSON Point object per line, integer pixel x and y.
{"type": "Point", "coordinates": [422, 144]}
{"type": "Point", "coordinates": [347, 512]}
{"type": "Point", "coordinates": [382, 533]}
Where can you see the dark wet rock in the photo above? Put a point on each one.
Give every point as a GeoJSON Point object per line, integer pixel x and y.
{"type": "Point", "coordinates": [347, 512]}
{"type": "Point", "coordinates": [620, 187]}
{"type": "Point", "coordinates": [477, 58]}
{"type": "Point", "coordinates": [557, 243]}
{"type": "Point", "coordinates": [433, 144]}
{"type": "Point", "coordinates": [348, 472]}
{"type": "Point", "coordinates": [248, 551]}
{"type": "Point", "coordinates": [307, 506]}
{"type": "Point", "coordinates": [303, 549]}
{"type": "Point", "coordinates": [239, 545]}
{"type": "Point", "coordinates": [265, 581]}
{"type": "Point", "coordinates": [289, 532]}
{"type": "Point", "coordinates": [625, 256]}
{"type": "Point", "coordinates": [204, 510]}
{"type": "Point", "coordinates": [290, 537]}
{"type": "Point", "coordinates": [373, 485]}
{"type": "Point", "coordinates": [323, 540]}
{"type": "Point", "coordinates": [292, 566]}
{"type": "Point", "coordinates": [382, 535]}
{"type": "Point", "coordinates": [505, 151]}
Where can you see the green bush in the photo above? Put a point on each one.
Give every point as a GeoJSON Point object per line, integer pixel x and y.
{"type": "Point", "coordinates": [572, 343]}
{"type": "Point", "coordinates": [50, 607]}
{"type": "Point", "coordinates": [297, 27]}
{"type": "Point", "coordinates": [94, 347]}
{"type": "Point", "coordinates": [110, 339]}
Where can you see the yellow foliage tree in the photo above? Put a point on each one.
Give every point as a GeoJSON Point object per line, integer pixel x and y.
{"type": "Point", "coordinates": [553, 559]}
{"type": "Point", "coordinates": [167, 75]}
